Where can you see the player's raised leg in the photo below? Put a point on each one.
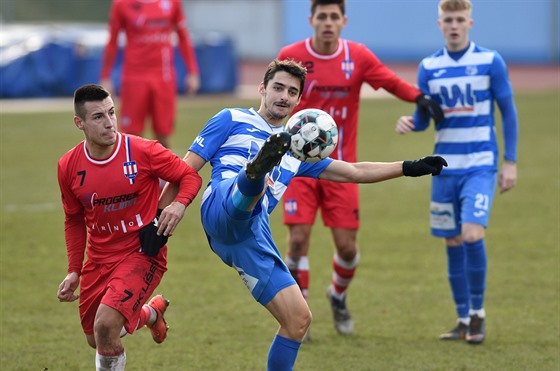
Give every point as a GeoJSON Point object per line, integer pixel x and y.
{"type": "Point", "coordinates": [269, 155]}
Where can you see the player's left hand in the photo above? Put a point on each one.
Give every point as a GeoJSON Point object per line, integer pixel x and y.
{"type": "Point", "coordinates": [427, 106]}
{"type": "Point", "coordinates": [507, 176]}
{"type": "Point", "coordinates": [150, 241]}
{"type": "Point", "coordinates": [170, 218]}
{"type": "Point", "coordinates": [424, 166]}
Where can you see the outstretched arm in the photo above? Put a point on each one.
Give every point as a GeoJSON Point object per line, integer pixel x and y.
{"type": "Point", "coordinates": [361, 172]}
{"type": "Point", "coordinates": [373, 172]}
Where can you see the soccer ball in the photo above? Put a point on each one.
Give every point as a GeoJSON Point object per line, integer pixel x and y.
{"type": "Point", "coordinates": [314, 134]}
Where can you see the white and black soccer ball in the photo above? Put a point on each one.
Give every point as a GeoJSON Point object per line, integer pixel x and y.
{"type": "Point", "coordinates": [314, 134]}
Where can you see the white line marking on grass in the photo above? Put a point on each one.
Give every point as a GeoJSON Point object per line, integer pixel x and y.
{"type": "Point", "coordinates": [31, 208]}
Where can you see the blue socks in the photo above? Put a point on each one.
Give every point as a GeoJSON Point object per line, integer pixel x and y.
{"type": "Point", "coordinates": [249, 187]}
{"type": "Point", "coordinates": [476, 272]}
{"type": "Point", "coordinates": [282, 354]}
{"type": "Point", "coordinates": [245, 196]}
{"type": "Point", "coordinates": [458, 279]}
{"type": "Point", "coordinates": [466, 268]}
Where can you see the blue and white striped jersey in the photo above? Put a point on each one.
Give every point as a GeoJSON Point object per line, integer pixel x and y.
{"type": "Point", "coordinates": [466, 89]}
{"type": "Point", "coordinates": [233, 137]}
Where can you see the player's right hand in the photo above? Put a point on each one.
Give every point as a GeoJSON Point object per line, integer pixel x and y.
{"type": "Point", "coordinates": [67, 287]}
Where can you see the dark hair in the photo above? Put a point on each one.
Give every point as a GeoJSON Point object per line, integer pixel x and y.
{"type": "Point", "coordinates": [341, 4]}
{"type": "Point", "coordinates": [88, 93]}
{"type": "Point", "coordinates": [290, 66]}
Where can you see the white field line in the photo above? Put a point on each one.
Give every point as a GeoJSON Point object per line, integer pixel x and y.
{"type": "Point", "coordinates": [36, 105]}
{"type": "Point", "coordinates": [31, 208]}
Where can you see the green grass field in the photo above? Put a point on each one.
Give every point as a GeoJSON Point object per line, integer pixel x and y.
{"type": "Point", "coordinates": [399, 299]}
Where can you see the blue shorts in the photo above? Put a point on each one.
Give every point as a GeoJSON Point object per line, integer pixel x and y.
{"type": "Point", "coordinates": [458, 199]}
{"type": "Point", "coordinates": [244, 241]}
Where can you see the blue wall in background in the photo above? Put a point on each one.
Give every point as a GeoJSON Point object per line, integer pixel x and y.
{"type": "Point", "coordinates": [53, 59]}
{"type": "Point", "coordinates": [523, 31]}
{"type": "Point", "coordinates": [47, 61]}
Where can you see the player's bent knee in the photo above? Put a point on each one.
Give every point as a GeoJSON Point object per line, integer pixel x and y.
{"type": "Point", "coordinates": [106, 331]}
{"type": "Point", "coordinates": [299, 240]}
{"type": "Point", "coordinates": [472, 233]}
{"type": "Point", "coordinates": [297, 248]}
{"type": "Point", "coordinates": [453, 241]}
{"type": "Point", "coordinates": [473, 237]}
{"type": "Point", "coordinates": [347, 252]}
{"type": "Point", "coordinates": [301, 325]}
{"type": "Point", "coordinates": [102, 330]}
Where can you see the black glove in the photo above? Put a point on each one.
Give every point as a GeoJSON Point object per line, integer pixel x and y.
{"type": "Point", "coordinates": [429, 107]}
{"type": "Point", "coordinates": [424, 166]}
{"type": "Point", "coordinates": [149, 240]}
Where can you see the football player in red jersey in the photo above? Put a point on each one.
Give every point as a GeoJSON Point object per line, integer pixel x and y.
{"type": "Point", "coordinates": [110, 191]}
{"type": "Point", "coordinates": [336, 70]}
{"type": "Point", "coordinates": [148, 78]}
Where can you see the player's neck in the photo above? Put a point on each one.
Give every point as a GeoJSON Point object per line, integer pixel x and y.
{"type": "Point", "coordinates": [458, 47]}
{"type": "Point", "coordinates": [323, 47]}
{"type": "Point", "coordinates": [271, 121]}
{"type": "Point", "coordinates": [99, 152]}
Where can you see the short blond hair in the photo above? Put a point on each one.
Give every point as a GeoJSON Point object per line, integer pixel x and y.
{"type": "Point", "coordinates": [454, 6]}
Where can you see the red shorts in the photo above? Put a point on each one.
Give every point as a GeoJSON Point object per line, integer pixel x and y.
{"type": "Point", "coordinates": [124, 285]}
{"type": "Point", "coordinates": [339, 203]}
{"type": "Point", "coordinates": [140, 99]}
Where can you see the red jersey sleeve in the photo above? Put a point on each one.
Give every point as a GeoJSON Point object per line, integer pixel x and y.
{"type": "Point", "coordinates": [379, 75]}
{"type": "Point", "coordinates": [173, 169]}
{"type": "Point", "coordinates": [75, 232]}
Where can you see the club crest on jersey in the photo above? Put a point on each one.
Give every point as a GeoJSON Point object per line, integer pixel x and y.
{"type": "Point", "coordinates": [471, 70]}
{"type": "Point", "coordinates": [347, 64]}
{"type": "Point", "coordinates": [129, 167]}
{"type": "Point", "coordinates": [130, 170]}
{"type": "Point", "coordinates": [347, 67]}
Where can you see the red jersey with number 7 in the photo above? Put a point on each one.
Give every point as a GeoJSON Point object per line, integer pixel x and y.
{"type": "Point", "coordinates": [112, 198]}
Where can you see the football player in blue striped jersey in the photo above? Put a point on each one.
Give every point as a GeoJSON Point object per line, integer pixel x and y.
{"type": "Point", "coordinates": [251, 169]}
{"type": "Point", "coordinates": [466, 79]}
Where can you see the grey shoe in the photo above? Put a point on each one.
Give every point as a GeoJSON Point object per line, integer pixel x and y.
{"type": "Point", "coordinates": [457, 333]}
{"type": "Point", "coordinates": [269, 155]}
{"type": "Point", "coordinates": [477, 330]}
{"type": "Point", "coordinates": [341, 315]}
